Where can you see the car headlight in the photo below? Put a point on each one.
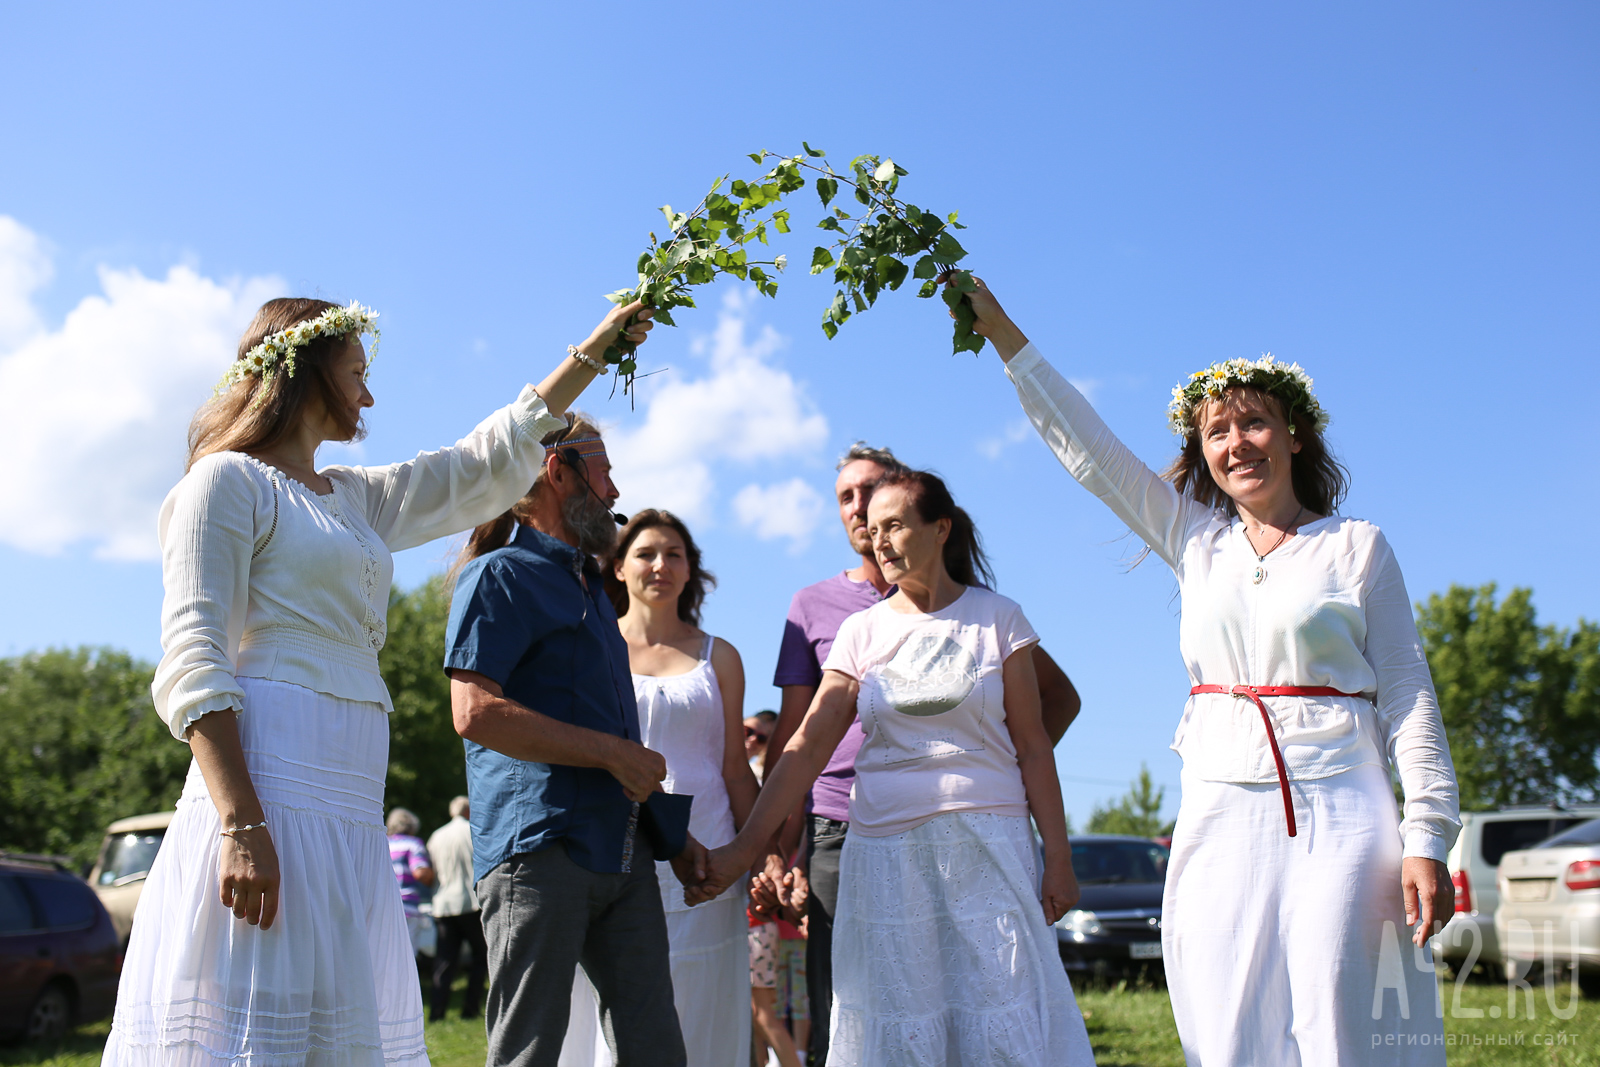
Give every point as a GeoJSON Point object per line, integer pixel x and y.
{"type": "Point", "coordinates": [1080, 924]}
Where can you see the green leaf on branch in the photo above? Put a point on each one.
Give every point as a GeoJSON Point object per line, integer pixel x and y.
{"type": "Point", "coordinates": [839, 310]}
{"type": "Point", "coordinates": [873, 251]}
{"type": "Point", "coordinates": [947, 249]}
{"type": "Point", "coordinates": [662, 317]}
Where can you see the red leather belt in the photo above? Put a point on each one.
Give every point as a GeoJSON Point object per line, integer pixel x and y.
{"type": "Point", "coordinates": [1255, 693]}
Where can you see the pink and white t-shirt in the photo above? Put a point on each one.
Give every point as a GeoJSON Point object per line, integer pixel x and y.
{"type": "Point", "coordinates": [932, 708]}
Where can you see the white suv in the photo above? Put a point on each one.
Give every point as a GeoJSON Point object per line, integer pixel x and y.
{"type": "Point", "coordinates": [1470, 936]}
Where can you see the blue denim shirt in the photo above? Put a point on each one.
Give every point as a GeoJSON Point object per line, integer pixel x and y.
{"type": "Point", "coordinates": [521, 616]}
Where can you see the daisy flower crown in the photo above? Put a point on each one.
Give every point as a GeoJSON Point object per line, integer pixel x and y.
{"type": "Point", "coordinates": [1286, 381]}
{"type": "Point", "coordinates": [277, 351]}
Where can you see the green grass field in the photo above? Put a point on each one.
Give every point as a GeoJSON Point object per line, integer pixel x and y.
{"type": "Point", "coordinates": [1132, 1027]}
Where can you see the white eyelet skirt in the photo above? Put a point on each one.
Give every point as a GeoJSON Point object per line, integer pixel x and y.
{"type": "Point", "coordinates": [333, 983]}
{"type": "Point", "coordinates": [1294, 950]}
{"type": "Point", "coordinates": [941, 953]}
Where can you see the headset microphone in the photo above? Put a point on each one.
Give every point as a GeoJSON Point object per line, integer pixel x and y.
{"type": "Point", "coordinates": [571, 458]}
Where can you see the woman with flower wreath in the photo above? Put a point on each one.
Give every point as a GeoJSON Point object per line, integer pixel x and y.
{"type": "Point", "coordinates": [270, 932]}
{"type": "Point", "coordinates": [1292, 872]}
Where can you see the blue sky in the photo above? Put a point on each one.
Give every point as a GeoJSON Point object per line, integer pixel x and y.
{"type": "Point", "coordinates": [1402, 198]}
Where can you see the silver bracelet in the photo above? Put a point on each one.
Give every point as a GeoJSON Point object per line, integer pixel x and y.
{"type": "Point", "coordinates": [588, 361]}
{"type": "Point", "coordinates": [230, 831]}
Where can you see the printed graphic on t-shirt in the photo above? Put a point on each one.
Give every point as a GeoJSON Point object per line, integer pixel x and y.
{"type": "Point", "coordinates": [929, 675]}
{"type": "Point", "coordinates": [911, 698]}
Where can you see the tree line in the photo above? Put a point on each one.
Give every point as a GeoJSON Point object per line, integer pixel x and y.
{"type": "Point", "coordinates": [81, 744]}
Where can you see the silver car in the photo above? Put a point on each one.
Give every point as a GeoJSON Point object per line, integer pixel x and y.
{"type": "Point", "coordinates": [1469, 937]}
{"type": "Point", "coordinates": [1549, 914]}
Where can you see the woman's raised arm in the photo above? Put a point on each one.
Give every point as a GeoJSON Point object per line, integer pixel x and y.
{"type": "Point", "coordinates": [456, 488]}
{"type": "Point", "coordinates": [1082, 441]}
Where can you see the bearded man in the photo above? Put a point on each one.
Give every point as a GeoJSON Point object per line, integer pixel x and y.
{"type": "Point", "coordinates": [564, 833]}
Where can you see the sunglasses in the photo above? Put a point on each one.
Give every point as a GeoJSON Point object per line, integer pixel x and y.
{"type": "Point", "coordinates": [751, 731]}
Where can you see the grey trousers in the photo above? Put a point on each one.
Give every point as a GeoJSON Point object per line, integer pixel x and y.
{"type": "Point", "coordinates": [544, 916]}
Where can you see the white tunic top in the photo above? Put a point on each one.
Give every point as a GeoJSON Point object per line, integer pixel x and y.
{"type": "Point", "coordinates": [1332, 611]}
{"type": "Point", "coordinates": [266, 579]}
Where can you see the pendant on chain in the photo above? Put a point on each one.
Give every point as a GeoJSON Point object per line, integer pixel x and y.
{"type": "Point", "coordinates": [1258, 574]}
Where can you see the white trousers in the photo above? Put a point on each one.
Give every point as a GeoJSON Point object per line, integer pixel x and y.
{"type": "Point", "coordinates": [1293, 951]}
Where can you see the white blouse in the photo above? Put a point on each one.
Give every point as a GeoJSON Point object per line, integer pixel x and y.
{"type": "Point", "coordinates": [266, 579]}
{"type": "Point", "coordinates": [1331, 611]}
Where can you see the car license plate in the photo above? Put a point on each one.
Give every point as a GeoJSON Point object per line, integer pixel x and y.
{"type": "Point", "coordinates": [1145, 950]}
{"type": "Point", "coordinates": [1527, 890]}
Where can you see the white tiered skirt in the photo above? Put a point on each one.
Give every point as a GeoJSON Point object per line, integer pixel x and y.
{"type": "Point", "coordinates": [333, 983]}
{"type": "Point", "coordinates": [941, 953]}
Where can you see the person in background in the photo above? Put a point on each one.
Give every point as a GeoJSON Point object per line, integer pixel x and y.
{"type": "Point", "coordinates": [757, 732]}
{"type": "Point", "coordinates": [791, 1001]}
{"type": "Point", "coordinates": [413, 869]}
{"type": "Point", "coordinates": [769, 1031]}
{"type": "Point", "coordinates": [808, 634]}
{"type": "Point", "coordinates": [456, 915]}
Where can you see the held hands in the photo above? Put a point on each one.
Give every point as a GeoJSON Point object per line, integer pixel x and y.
{"type": "Point", "coordinates": [690, 866]}
{"type": "Point", "coordinates": [247, 873]}
{"type": "Point", "coordinates": [723, 867]}
{"type": "Point", "coordinates": [1430, 896]}
{"type": "Point", "coordinates": [991, 320]}
{"type": "Point", "coordinates": [775, 892]}
{"type": "Point", "coordinates": [1060, 891]}
{"type": "Point", "coordinates": [639, 769]}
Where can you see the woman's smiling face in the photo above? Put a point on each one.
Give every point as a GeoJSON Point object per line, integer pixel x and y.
{"type": "Point", "coordinates": [903, 543]}
{"type": "Point", "coordinates": [655, 568]}
{"type": "Point", "coordinates": [1247, 446]}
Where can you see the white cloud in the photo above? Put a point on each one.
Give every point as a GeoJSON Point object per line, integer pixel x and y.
{"type": "Point", "coordinates": [991, 447]}
{"type": "Point", "coordinates": [1022, 429]}
{"type": "Point", "coordinates": [789, 509]}
{"type": "Point", "coordinates": [24, 267]}
{"type": "Point", "coordinates": [745, 410]}
{"type": "Point", "coordinates": [93, 414]}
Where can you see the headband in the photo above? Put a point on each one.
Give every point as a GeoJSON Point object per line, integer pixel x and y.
{"type": "Point", "coordinates": [586, 446]}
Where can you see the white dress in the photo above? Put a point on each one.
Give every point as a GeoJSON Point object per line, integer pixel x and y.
{"type": "Point", "coordinates": [275, 605]}
{"type": "Point", "coordinates": [1278, 949]}
{"type": "Point", "coordinates": [681, 717]}
{"type": "Point", "coordinates": [941, 952]}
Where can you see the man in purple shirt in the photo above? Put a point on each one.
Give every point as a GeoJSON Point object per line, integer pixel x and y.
{"type": "Point", "coordinates": [815, 615]}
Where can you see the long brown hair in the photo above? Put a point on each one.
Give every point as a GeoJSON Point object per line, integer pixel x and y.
{"type": "Point", "coordinates": [700, 580]}
{"type": "Point", "coordinates": [964, 558]}
{"type": "Point", "coordinates": [258, 413]}
{"type": "Point", "coordinates": [1320, 481]}
{"type": "Point", "coordinates": [488, 536]}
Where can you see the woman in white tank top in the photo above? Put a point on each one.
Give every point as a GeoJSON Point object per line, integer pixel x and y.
{"type": "Point", "coordinates": [690, 690]}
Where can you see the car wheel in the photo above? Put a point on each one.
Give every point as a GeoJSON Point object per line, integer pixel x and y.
{"type": "Point", "coordinates": [50, 1015]}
